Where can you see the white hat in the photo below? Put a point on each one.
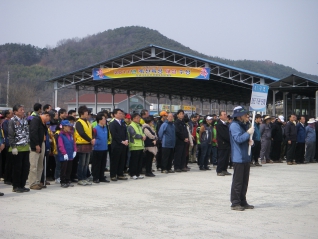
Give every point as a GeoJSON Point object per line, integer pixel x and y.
{"type": "Point", "coordinates": [281, 118]}
{"type": "Point", "coordinates": [312, 120]}
{"type": "Point", "coordinates": [57, 109]}
{"type": "Point", "coordinates": [209, 118]}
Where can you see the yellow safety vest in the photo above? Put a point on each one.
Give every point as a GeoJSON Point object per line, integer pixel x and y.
{"type": "Point", "coordinates": [87, 129]}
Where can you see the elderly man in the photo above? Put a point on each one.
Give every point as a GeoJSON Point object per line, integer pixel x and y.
{"type": "Point", "coordinates": [240, 140]}
{"type": "Point", "coordinates": [38, 132]}
{"type": "Point", "coordinates": [224, 145]}
{"type": "Point", "coordinates": [18, 135]}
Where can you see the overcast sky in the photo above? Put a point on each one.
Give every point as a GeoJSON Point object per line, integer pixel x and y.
{"type": "Point", "coordinates": [283, 31]}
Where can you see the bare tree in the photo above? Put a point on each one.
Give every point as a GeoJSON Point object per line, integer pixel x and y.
{"type": "Point", "coordinates": [22, 93]}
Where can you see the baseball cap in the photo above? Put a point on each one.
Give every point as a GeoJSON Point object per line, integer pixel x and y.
{"type": "Point", "coordinates": [209, 118]}
{"type": "Point", "coordinates": [239, 111]}
{"type": "Point", "coordinates": [163, 113]}
{"type": "Point", "coordinates": [128, 116]}
{"type": "Point", "coordinates": [281, 118]}
{"type": "Point", "coordinates": [66, 123]}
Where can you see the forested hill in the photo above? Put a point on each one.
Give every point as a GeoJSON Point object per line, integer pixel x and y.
{"type": "Point", "coordinates": [31, 64]}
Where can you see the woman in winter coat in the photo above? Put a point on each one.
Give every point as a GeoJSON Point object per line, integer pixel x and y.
{"type": "Point", "coordinates": [150, 144]}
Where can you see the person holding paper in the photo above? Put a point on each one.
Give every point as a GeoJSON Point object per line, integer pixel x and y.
{"type": "Point", "coordinates": [240, 141]}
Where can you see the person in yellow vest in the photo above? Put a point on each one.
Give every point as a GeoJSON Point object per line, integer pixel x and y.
{"type": "Point", "coordinates": [136, 147]}
{"type": "Point", "coordinates": [84, 144]}
{"type": "Point", "coordinates": [144, 114]}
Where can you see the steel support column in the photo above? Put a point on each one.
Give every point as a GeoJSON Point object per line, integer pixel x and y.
{"type": "Point", "coordinates": [128, 102]}
{"type": "Point", "coordinates": [210, 101]}
{"type": "Point", "coordinates": [170, 107]}
{"type": "Point", "coordinates": [158, 100]}
{"type": "Point", "coordinates": [144, 98]}
{"type": "Point", "coordinates": [301, 105]}
{"type": "Point", "coordinates": [285, 104]}
{"type": "Point", "coordinates": [113, 99]}
{"type": "Point", "coordinates": [293, 103]}
{"type": "Point", "coordinates": [274, 102]}
{"type": "Point", "coordinates": [309, 107]}
{"type": "Point", "coordinates": [316, 105]}
{"type": "Point", "coordinates": [55, 94]}
{"type": "Point", "coordinates": [201, 106]}
{"type": "Point", "coordinates": [191, 105]}
{"type": "Point", "coordinates": [77, 97]}
{"type": "Point", "coordinates": [96, 92]}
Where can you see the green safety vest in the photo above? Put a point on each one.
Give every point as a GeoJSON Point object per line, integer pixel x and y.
{"type": "Point", "coordinates": [138, 144]}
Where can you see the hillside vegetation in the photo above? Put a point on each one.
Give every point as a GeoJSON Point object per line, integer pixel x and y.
{"type": "Point", "coordinates": [30, 66]}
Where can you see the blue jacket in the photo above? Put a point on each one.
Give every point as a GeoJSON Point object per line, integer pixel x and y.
{"type": "Point", "coordinates": [68, 146]}
{"type": "Point", "coordinates": [239, 139]}
{"type": "Point", "coordinates": [101, 138]}
{"type": "Point", "coordinates": [167, 135]}
{"type": "Point", "coordinates": [257, 133]}
{"type": "Point", "coordinates": [301, 133]}
{"type": "Point", "coordinates": [310, 134]}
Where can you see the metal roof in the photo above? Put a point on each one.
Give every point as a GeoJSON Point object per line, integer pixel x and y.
{"type": "Point", "coordinates": [296, 85]}
{"type": "Point", "coordinates": [226, 82]}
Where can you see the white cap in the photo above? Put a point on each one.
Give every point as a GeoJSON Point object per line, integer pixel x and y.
{"type": "Point", "coordinates": [57, 109]}
{"type": "Point", "coordinates": [281, 118]}
{"type": "Point", "coordinates": [312, 120]}
{"type": "Point", "coordinates": [209, 118]}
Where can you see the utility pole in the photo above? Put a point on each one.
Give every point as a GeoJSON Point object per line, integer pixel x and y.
{"type": "Point", "coordinates": [8, 89]}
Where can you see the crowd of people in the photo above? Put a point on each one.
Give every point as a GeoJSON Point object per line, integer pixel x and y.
{"type": "Point", "coordinates": [55, 145]}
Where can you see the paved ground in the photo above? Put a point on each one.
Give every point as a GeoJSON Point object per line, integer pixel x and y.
{"type": "Point", "coordinates": [187, 205]}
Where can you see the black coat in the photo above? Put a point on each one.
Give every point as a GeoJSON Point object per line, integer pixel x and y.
{"type": "Point", "coordinates": [291, 131]}
{"type": "Point", "coordinates": [37, 131]}
{"type": "Point", "coordinates": [223, 135]}
{"type": "Point", "coordinates": [181, 131]}
{"type": "Point", "coordinates": [277, 131]}
{"type": "Point", "coordinates": [118, 132]}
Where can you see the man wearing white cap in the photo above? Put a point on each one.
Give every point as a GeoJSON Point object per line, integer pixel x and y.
{"type": "Point", "coordinates": [277, 139]}
{"type": "Point", "coordinates": [240, 141]}
{"type": "Point", "coordinates": [310, 141]}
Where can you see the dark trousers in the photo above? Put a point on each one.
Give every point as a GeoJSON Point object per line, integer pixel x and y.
{"type": "Point", "coordinates": [198, 153]}
{"type": "Point", "coordinates": [135, 163]}
{"type": "Point", "coordinates": [159, 156]}
{"type": "Point", "coordinates": [149, 158]}
{"type": "Point", "coordinates": [316, 155]}
{"type": "Point", "coordinates": [300, 152]}
{"type": "Point", "coordinates": [205, 154]}
{"type": "Point", "coordinates": [276, 148]}
{"type": "Point", "coordinates": [117, 160]}
{"type": "Point", "coordinates": [21, 168]}
{"type": "Point", "coordinates": [167, 157]}
{"type": "Point", "coordinates": [66, 169]}
{"type": "Point", "coordinates": [74, 167]}
{"type": "Point", "coordinates": [99, 164]}
{"type": "Point", "coordinates": [256, 150]}
{"type": "Point", "coordinates": [290, 155]}
{"type": "Point", "coordinates": [2, 164]}
{"type": "Point", "coordinates": [223, 160]}
{"type": "Point", "coordinates": [8, 167]}
{"type": "Point", "coordinates": [240, 179]}
{"type": "Point", "coordinates": [179, 156]}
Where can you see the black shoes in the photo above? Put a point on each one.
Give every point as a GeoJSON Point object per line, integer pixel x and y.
{"type": "Point", "coordinates": [150, 175]}
{"type": "Point", "coordinates": [178, 170]}
{"type": "Point", "coordinates": [1, 194]}
{"type": "Point", "coordinates": [7, 182]}
{"type": "Point", "coordinates": [207, 168]}
{"type": "Point", "coordinates": [247, 206]}
{"type": "Point", "coordinates": [64, 185]}
{"type": "Point", "coordinates": [237, 208]}
{"type": "Point", "coordinates": [202, 169]}
{"type": "Point", "coordinates": [96, 181]}
{"type": "Point", "coordinates": [25, 189]}
{"type": "Point", "coordinates": [113, 179]}
{"type": "Point", "coordinates": [104, 180]}
{"type": "Point", "coordinates": [18, 190]}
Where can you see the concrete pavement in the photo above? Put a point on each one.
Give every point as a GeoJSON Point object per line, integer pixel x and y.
{"type": "Point", "coordinates": [194, 204]}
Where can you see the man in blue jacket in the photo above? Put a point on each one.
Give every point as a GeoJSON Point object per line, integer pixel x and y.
{"type": "Point", "coordinates": [300, 144]}
{"type": "Point", "coordinates": [240, 140]}
{"type": "Point", "coordinates": [167, 136]}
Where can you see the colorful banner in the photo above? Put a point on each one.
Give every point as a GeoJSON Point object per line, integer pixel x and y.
{"type": "Point", "coordinates": [151, 71]}
{"type": "Point", "coordinates": [259, 97]}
